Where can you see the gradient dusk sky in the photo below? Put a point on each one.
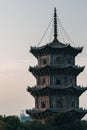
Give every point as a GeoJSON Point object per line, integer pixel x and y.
{"type": "Point", "coordinates": [22, 24]}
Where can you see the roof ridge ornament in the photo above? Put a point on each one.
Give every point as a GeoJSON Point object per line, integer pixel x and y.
{"type": "Point", "coordinates": [55, 25]}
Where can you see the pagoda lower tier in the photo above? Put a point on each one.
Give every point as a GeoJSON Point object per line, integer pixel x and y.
{"type": "Point", "coordinates": [50, 69]}
{"type": "Point", "coordinates": [77, 113]}
{"type": "Point", "coordinates": [50, 90]}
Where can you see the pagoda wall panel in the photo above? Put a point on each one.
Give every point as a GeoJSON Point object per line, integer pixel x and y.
{"type": "Point", "coordinates": [43, 102]}
{"type": "Point", "coordinates": [62, 80]}
{"type": "Point", "coordinates": [64, 102]}
{"type": "Point", "coordinates": [72, 101]}
{"type": "Point", "coordinates": [62, 59]}
{"type": "Point", "coordinates": [43, 81]}
{"type": "Point", "coordinates": [57, 102]}
{"type": "Point", "coordinates": [43, 60]}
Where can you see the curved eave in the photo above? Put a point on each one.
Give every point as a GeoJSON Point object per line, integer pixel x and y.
{"type": "Point", "coordinates": [36, 91]}
{"type": "Point", "coordinates": [38, 114]}
{"type": "Point", "coordinates": [49, 69]}
{"type": "Point", "coordinates": [49, 49]}
{"type": "Point", "coordinates": [78, 110]}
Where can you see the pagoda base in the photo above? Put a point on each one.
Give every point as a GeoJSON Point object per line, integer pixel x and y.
{"type": "Point", "coordinates": [46, 114]}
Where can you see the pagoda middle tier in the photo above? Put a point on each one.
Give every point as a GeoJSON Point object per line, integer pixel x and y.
{"type": "Point", "coordinates": [50, 90]}
{"type": "Point", "coordinates": [52, 69]}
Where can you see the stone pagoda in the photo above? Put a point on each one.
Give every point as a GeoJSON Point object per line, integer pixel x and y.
{"type": "Point", "coordinates": [56, 88]}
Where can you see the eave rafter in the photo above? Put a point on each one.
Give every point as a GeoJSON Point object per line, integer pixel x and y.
{"type": "Point", "coordinates": [49, 49]}
{"type": "Point", "coordinates": [49, 69]}
{"type": "Point", "coordinates": [74, 90]}
{"type": "Point", "coordinates": [38, 114]}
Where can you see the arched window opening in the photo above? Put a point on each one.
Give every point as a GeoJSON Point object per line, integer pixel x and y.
{"type": "Point", "coordinates": [58, 82]}
{"type": "Point", "coordinates": [43, 104]}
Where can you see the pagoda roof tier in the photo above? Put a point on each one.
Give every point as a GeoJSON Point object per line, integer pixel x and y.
{"type": "Point", "coordinates": [55, 47]}
{"type": "Point", "coordinates": [51, 90]}
{"type": "Point", "coordinates": [78, 113]}
{"type": "Point", "coordinates": [51, 69]}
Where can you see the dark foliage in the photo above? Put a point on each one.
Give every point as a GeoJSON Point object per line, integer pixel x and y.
{"type": "Point", "coordinates": [58, 122]}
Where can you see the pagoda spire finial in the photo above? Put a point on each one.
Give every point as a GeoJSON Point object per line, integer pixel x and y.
{"type": "Point", "coordinates": [55, 24]}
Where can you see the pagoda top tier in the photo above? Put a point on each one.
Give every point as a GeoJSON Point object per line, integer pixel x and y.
{"type": "Point", "coordinates": [55, 46]}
